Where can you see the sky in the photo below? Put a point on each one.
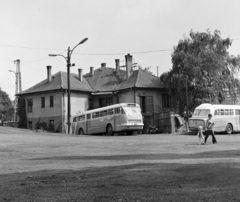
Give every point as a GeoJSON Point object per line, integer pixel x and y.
{"type": "Point", "coordinates": [30, 30]}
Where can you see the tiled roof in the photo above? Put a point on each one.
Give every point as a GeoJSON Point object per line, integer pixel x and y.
{"type": "Point", "coordinates": [104, 80]}
{"type": "Point", "coordinates": [146, 80]}
{"type": "Point", "coordinates": [59, 81]}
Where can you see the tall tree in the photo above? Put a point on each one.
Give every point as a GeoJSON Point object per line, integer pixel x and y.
{"type": "Point", "coordinates": [6, 106]}
{"type": "Point", "coordinates": [202, 71]}
{"type": "Point", "coordinates": [22, 123]}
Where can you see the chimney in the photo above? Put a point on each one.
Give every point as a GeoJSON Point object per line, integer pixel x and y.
{"type": "Point", "coordinates": [103, 65]}
{"type": "Point", "coordinates": [49, 73]}
{"type": "Point", "coordinates": [80, 74]}
{"type": "Point", "coordinates": [92, 71]}
{"type": "Point", "coordinates": [117, 66]}
{"type": "Point", "coordinates": [128, 59]}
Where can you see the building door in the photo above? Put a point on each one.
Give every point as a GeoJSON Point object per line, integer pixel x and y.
{"type": "Point", "coordinates": [146, 103]}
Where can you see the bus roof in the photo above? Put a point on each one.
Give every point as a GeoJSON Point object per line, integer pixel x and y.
{"type": "Point", "coordinates": [110, 107]}
{"type": "Point", "coordinates": [217, 106]}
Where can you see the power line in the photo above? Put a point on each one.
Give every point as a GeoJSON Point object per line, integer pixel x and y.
{"type": "Point", "coordinates": [141, 52]}
{"type": "Point", "coordinates": [26, 47]}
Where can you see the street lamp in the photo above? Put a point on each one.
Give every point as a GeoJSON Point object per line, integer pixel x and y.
{"type": "Point", "coordinates": [68, 60]}
{"type": "Point", "coordinates": [16, 91]}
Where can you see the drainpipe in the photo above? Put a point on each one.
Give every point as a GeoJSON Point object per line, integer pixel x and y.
{"type": "Point", "coordinates": [134, 94]}
{"type": "Point", "coordinates": [63, 111]}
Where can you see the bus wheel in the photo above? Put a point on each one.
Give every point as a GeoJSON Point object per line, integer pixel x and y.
{"type": "Point", "coordinates": [109, 129]}
{"type": "Point", "coordinates": [229, 129]}
{"type": "Point", "coordinates": [81, 132]}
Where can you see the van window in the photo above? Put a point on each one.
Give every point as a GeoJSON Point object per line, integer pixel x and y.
{"type": "Point", "coordinates": [201, 112]}
{"type": "Point", "coordinates": [228, 112]}
{"type": "Point", "coordinates": [237, 111]}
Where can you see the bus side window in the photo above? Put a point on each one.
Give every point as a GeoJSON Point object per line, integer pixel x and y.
{"type": "Point", "coordinates": [81, 118]}
{"type": "Point", "coordinates": [88, 116]}
{"type": "Point", "coordinates": [95, 115]}
{"type": "Point", "coordinates": [105, 113]}
{"type": "Point", "coordinates": [110, 112]}
{"type": "Point", "coordinates": [215, 112]}
{"type": "Point", "coordinates": [74, 119]}
{"type": "Point", "coordinates": [117, 110]}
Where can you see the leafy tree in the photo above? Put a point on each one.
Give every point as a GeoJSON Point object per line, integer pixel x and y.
{"type": "Point", "coordinates": [202, 71]}
{"type": "Point", "coordinates": [145, 69]}
{"type": "Point", "coordinates": [6, 106]}
{"type": "Point", "coordinates": [22, 123]}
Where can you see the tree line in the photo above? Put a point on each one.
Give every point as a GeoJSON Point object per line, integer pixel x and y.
{"type": "Point", "coordinates": [202, 71]}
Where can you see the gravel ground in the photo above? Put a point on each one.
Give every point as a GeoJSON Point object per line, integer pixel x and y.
{"type": "Point", "coordinates": [160, 167]}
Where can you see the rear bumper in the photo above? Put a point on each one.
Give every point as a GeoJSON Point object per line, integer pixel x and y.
{"type": "Point", "coordinates": [131, 127]}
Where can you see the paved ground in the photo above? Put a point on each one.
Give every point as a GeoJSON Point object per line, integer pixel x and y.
{"type": "Point", "coordinates": [159, 167]}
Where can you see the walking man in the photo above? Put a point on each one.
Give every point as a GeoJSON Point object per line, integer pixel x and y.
{"type": "Point", "coordinates": [209, 129]}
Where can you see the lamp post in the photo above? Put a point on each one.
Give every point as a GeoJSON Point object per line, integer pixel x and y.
{"type": "Point", "coordinates": [16, 91]}
{"type": "Point", "coordinates": [68, 60]}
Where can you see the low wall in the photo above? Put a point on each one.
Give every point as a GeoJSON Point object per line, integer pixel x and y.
{"type": "Point", "coordinates": [13, 124]}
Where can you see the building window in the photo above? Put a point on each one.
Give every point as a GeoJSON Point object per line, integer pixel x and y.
{"type": "Point", "coordinates": [90, 103]}
{"type": "Point", "coordinates": [166, 101]}
{"type": "Point", "coordinates": [29, 105]}
{"type": "Point", "coordinates": [43, 102]}
{"type": "Point", "coordinates": [146, 103]}
{"type": "Point", "coordinates": [105, 101]}
{"type": "Point", "coordinates": [51, 101]}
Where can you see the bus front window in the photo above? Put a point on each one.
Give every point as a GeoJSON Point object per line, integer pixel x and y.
{"type": "Point", "coordinates": [132, 110]}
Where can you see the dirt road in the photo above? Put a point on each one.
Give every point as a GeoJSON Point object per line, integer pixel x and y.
{"type": "Point", "coordinates": [163, 167]}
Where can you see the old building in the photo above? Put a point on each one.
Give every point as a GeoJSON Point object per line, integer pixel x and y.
{"type": "Point", "coordinates": [47, 101]}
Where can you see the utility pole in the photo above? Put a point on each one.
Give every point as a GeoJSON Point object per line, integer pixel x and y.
{"type": "Point", "coordinates": [18, 86]}
{"type": "Point", "coordinates": [68, 60]}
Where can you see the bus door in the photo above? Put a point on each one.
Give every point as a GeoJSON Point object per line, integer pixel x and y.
{"type": "Point", "coordinates": [88, 124]}
{"type": "Point", "coordinates": [95, 123]}
{"type": "Point", "coordinates": [110, 118]}
{"type": "Point", "coordinates": [237, 113]}
{"type": "Point", "coordinates": [102, 121]}
{"type": "Point", "coordinates": [117, 121]}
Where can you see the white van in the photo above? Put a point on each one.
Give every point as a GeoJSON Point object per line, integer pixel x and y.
{"type": "Point", "coordinates": [225, 117]}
